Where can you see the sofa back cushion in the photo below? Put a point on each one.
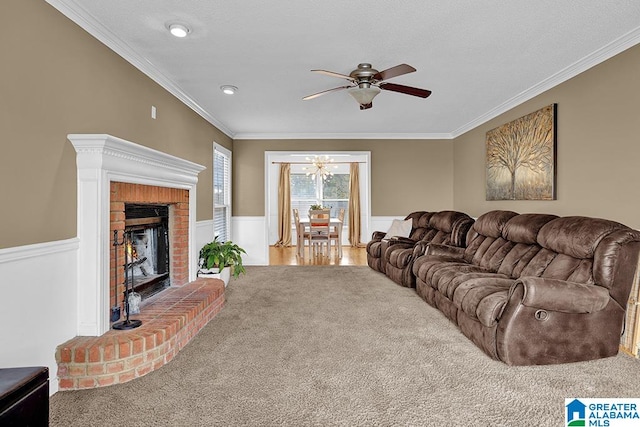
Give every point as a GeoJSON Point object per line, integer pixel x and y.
{"type": "Point", "coordinates": [515, 251]}
{"type": "Point", "coordinates": [421, 226]}
{"type": "Point", "coordinates": [524, 228]}
{"type": "Point", "coordinates": [484, 239]}
{"type": "Point", "coordinates": [587, 248]}
{"type": "Point", "coordinates": [444, 220]}
{"type": "Point", "coordinates": [420, 222]}
{"type": "Point", "coordinates": [448, 228]}
{"type": "Point", "coordinates": [576, 236]}
{"type": "Point", "coordinates": [491, 223]}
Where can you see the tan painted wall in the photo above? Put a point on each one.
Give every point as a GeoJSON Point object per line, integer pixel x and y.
{"type": "Point", "coordinates": [56, 79]}
{"type": "Point", "coordinates": [406, 175]}
{"type": "Point", "coordinates": [598, 168]}
{"type": "Point", "coordinates": [61, 80]}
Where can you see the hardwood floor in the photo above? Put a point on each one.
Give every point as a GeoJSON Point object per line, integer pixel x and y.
{"type": "Point", "coordinates": [288, 256]}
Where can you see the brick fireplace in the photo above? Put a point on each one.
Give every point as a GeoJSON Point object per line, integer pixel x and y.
{"type": "Point", "coordinates": [114, 174]}
{"type": "Point", "coordinates": [107, 164]}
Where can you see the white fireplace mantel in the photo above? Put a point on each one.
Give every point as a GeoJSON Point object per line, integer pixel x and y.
{"type": "Point", "coordinates": [101, 159]}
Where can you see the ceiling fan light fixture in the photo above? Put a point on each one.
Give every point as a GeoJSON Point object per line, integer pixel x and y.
{"type": "Point", "coordinates": [364, 95]}
{"type": "Point", "coordinates": [179, 30]}
{"type": "Point", "coordinates": [228, 89]}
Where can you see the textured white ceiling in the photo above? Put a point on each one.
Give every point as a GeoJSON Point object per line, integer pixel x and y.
{"type": "Point", "coordinates": [478, 57]}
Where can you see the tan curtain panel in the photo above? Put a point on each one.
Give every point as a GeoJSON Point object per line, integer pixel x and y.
{"type": "Point", "coordinates": [354, 205]}
{"type": "Point", "coordinates": [284, 206]}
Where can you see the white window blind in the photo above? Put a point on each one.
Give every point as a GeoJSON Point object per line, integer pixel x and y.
{"type": "Point", "coordinates": [221, 193]}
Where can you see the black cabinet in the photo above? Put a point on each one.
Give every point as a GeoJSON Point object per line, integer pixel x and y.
{"type": "Point", "coordinates": [24, 397]}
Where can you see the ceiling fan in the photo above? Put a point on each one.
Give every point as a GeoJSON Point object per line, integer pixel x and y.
{"type": "Point", "coordinates": [366, 82]}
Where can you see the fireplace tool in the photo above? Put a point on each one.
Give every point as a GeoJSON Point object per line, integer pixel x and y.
{"type": "Point", "coordinates": [115, 309]}
{"type": "Point", "coordinates": [128, 287]}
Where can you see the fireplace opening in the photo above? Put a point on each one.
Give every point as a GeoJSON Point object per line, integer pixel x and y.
{"type": "Point", "coordinates": [147, 227]}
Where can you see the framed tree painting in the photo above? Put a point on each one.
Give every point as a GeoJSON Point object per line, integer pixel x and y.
{"type": "Point", "coordinates": [521, 158]}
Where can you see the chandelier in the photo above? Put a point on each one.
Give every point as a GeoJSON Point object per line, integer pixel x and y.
{"type": "Point", "coordinates": [321, 166]}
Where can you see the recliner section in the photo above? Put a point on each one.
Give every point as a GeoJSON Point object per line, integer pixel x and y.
{"type": "Point", "coordinates": [445, 227]}
{"type": "Point", "coordinates": [378, 245]}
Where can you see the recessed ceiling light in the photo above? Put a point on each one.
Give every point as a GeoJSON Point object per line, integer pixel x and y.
{"type": "Point", "coordinates": [228, 89]}
{"type": "Point", "coordinates": [179, 30]}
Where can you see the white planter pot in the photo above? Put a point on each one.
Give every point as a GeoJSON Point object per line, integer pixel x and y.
{"type": "Point", "coordinates": [215, 273]}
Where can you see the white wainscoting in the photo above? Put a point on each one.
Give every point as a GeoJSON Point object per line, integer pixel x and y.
{"type": "Point", "coordinates": [39, 294]}
{"type": "Point", "coordinates": [204, 234]}
{"type": "Point", "coordinates": [250, 233]}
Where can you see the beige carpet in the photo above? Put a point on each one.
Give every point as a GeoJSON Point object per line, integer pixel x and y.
{"type": "Point", "coordinates": [339, 346]}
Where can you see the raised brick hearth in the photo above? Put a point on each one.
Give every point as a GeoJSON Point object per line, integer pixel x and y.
{"type": "Point", "coordinates": [169, 321]}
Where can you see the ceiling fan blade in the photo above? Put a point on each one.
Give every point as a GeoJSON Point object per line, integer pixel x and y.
{"type": "Point", "coordinates": [422, 93]}
{"type": "Point", "coordinates": [396, 71]}
{"type": "Point", "coordinates": [315, 95]}
{"type": "Point", "coordinates": [332, 74]}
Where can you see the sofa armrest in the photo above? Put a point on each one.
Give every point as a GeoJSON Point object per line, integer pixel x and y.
{"type": "Point", "coordinates": [453, 252]}
{"type": "Point", "coordinates": [378, 235]}
{"type": "Point", "coordinates": [398, 240]}
{"type": "Point", "coordinates": [395, 246]}
{"type": "Point", "coordinates": [420, 248]}
{"type": "Point", "coordinates": [561, 296]}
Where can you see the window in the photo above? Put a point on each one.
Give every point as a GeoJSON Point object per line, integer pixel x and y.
{"type": "Point", "coordinates": [307, 190]}
{"type": "Point", "coordinates": [221, 193]}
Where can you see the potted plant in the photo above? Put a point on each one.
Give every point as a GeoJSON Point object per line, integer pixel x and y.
{"type": "Point", "coordinates": [215, 256]}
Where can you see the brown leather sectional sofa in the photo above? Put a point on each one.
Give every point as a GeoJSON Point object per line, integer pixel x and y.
{"type": "Point", "coordinates": [533, 289]}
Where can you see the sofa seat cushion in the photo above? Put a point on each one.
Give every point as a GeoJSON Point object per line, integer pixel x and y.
{"type": "Point", "coordinates": [448, 278]}
{"type": "Point", "coordinates": [425, 266]}
{"type": "Point", "coordinates": [423, 263]}
{"type": "Point", "coordinates": [483, 297]}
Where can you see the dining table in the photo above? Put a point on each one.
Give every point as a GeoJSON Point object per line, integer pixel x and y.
{"type": "Point", "coordinates": [334, 223]}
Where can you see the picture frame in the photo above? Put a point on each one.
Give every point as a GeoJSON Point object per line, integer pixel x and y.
{"type": "Point", "coordinates": [521, 157]}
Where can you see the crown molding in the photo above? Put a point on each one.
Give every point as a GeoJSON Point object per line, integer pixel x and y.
{"type": "Point", "coordinates": [617, 46]}
{"type": "Point", "coordinates": [350, 135]}
{"type": "Point", "coordinates": [72, 10]}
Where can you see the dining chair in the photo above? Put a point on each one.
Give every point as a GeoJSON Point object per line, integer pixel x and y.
{"type": "Point", "coordinates": [318, 234]}
{"type": "Point", "coordinates": [300, 236]}
{"type": "Point", "coordinates": [336, 233]}
{"type": "Point", "coordinates": [319, 213]}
